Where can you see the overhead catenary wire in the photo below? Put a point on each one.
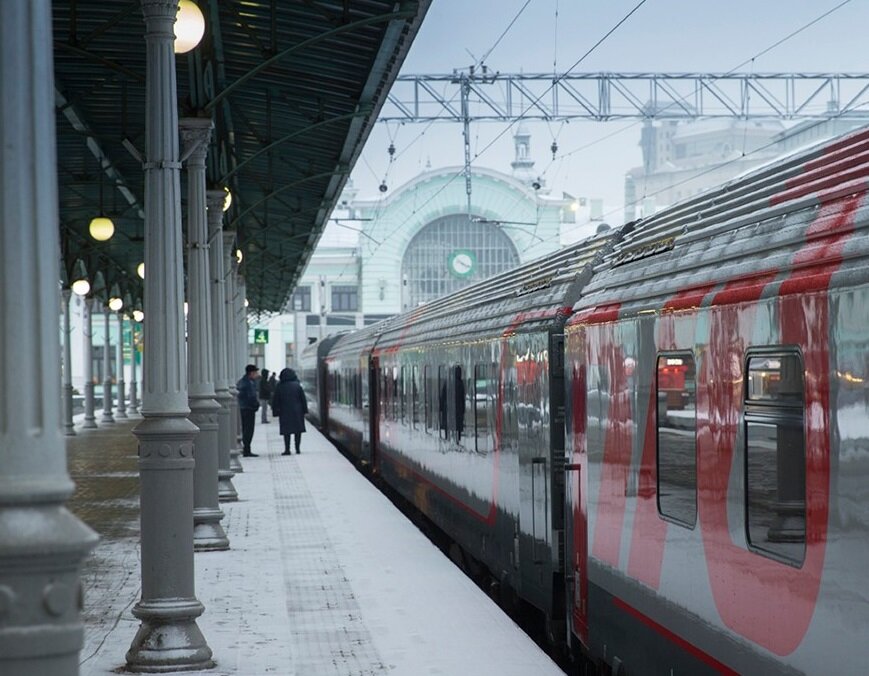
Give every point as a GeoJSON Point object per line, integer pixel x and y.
{"type": "Point", "coordinates": [555, 81]}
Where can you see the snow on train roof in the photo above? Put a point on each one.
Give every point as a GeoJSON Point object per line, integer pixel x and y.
{"type": "Point", "coordinates": [492, 305]}
{"type": "Point", "coordinates": [755, 222]}
{"type": "Point", "coordinates": [525, 297]}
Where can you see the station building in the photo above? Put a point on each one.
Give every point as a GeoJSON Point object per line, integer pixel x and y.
{"type": "Point", "coordinates": [414, 243]}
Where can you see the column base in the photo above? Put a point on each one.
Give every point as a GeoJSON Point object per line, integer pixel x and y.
{"type": "Point", "coordinates": [234, 462]}
{"type": "Point", "coordinates": [168, 639]}
{"type": "Point", "coordinates": [107, 418]}
{"type": "Point", "coordinates": [69, 430]}
{"type": "Point", "coordinates": [208, 534]}
{"type": "Point", "coordinates": [225, 490]}
{"type": "Point", "coordinates": [89, 424]}
{"type": "Point", "coordinates": [121, 415]}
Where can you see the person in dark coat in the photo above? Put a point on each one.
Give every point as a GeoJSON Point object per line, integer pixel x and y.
{"type": "Point", "coordinates": [290, 405]}
{"type": "Point", "coordinates": [248, 403]}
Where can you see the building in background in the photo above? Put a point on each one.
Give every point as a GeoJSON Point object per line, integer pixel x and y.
{"type": "Point", "coordinates": [417, 242]}
{"type": "Point", "coordinates": [683, 159]}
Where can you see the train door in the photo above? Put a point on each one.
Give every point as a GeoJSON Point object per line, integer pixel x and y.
{"type": "Point", "coordinates": [534, 470]}
{"type": "Point", "coordinates": [576, 515]}
{"type": "Point", "coordinates": [322, 377]}
{"type": "Point", "coordinates": [373, 410]}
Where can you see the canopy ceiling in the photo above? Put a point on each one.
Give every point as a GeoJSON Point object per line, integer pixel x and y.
{"type": "Point", "coordinates": [293, 87]}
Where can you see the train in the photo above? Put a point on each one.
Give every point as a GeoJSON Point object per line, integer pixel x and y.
{"type": "Point", "coordinates": [657, 437]}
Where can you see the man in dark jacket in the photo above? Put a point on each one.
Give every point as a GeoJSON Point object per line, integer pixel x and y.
{"type": "Point", "coordinates": [290, 405]}
{"type": "Point", "coordinates": [248, 403]}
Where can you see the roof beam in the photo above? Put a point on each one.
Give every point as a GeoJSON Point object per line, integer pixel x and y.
{"type": "Point", "coordinates": [78, 122]}
{"type": "Point", "coordinates": [280, 56]}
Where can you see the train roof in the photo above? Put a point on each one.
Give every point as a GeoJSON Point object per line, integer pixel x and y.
{"type": "Point", "coordinates": [748, 226]}
{"type": "Point", "coordinates": [531, 296]}
{"type": "Point", "coordinates": [352, 345]}
{"type": "Point", "coordinates": [316, 351]}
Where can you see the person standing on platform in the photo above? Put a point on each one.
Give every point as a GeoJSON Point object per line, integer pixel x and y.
{"type": "Point", "coordinates": [248, 403]}
{"type": "Point", "coordinates": [290, 405]}
{"type": "Point", "coordinates": [265, 395]}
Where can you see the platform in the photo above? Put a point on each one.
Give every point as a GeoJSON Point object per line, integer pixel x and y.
{"type": "Point", "coordinates": [324, 578]}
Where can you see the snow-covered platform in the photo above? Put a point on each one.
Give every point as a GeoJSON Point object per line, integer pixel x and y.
{"type": "Point", "coordinates": [324, 576]}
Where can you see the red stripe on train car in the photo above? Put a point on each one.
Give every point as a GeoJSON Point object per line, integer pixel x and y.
{"type": "Point", "coordinates": [687, 646]}
{"type": "Point", "coordinates": [768, 602]}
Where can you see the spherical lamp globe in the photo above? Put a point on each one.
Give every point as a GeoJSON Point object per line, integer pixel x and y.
{"type": "Point", "coordinates": [81, 287]}
{"type": "Point", "coordinates": [101, 228]}
{"type": "Point", "coordinates": [140, 270]}
{"type": "Point", "coordinates": [189, 26]}
{"type": "Point", "coordinates": [115, 304]}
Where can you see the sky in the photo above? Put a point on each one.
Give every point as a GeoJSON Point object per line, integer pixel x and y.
{"type": "Point", "coordinates": [552, 35]}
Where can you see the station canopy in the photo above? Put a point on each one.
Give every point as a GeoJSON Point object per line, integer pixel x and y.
{"type": "Point", "coordinates": [293, 87]}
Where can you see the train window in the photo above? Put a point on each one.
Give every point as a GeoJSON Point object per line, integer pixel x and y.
{"type": "Point", "coordinates": [483, 391]}
{"type": "Point", "coordinates": [414, 396]}
{"type": "Point", "coordinates": [676, 422]}
{"type": "Point", "coordinates": [460, 404]}
{"type": "Point", "coordinates": [402, 392]}
{"type": "Point", "coordinates": [775, 454]}
{"type": "Point", "coordinates": [443, 424]}
{"type": "Point", "coordinates": [428, 405]}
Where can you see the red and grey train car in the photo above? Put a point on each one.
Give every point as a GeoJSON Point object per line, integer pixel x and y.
{"type": "Point", "coordinates": [458, 406]}
{"type": "Point", "coordinates": [718, 430]}
{"type": "Point", "coordinates": [658, 437]}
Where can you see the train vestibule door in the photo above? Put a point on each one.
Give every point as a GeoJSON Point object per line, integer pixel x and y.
{"type": "Point", "coordinates": [373, 410]}
{"type": "Point", "coordinates": [534, 467]}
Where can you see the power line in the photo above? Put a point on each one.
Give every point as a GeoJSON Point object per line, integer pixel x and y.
{"type": "Point", "coordinates": [510, 125]}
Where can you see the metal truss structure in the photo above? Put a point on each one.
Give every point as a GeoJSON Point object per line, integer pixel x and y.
{"type": "Point", "coordinates": [483, 95]}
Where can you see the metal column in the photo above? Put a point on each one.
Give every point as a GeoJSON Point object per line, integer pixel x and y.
{"type": "Point", "coordinates": [168, 638]}
{"type": "Point", "coordinates": [208, 534]}
{"type": "Point", "coordinates": [107, 370]}
{"type": "Point", "coordinates": [134, 394]}
{"type": "Point", "coordinates": [41, 544]}
{"type": "Point", "coordinates": [233, 367]}
{"type": "Point", "coordinates": [68, 426]}
{"type": "Point", "coordinates": [216, 198]}
{"type": "Point", "coordinates": [88, 305]}
{"type": "Point", "coordinates": [122, 393]}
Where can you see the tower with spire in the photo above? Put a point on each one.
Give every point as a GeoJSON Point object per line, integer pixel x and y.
{"type": "Point", "coordinates": [523, 165]}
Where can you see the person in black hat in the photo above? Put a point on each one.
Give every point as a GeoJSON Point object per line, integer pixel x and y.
{"type": "Point", "coordinates": [248, 403]}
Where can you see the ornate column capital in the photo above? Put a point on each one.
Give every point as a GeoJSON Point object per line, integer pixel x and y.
{"type": "Point", "coordinates": [195, 136]}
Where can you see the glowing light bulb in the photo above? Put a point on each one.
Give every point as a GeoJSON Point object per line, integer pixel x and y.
{"type": "Point", "coordinates": [138, 315]}
{"type": "Point", "coordinates": [101, 228]}
{"type": "Point", "coordinates": [81, 287]}
{"type": "Point", "coordinates": [115, 304]}
{"type": "Point", "coordinates": [189, 26]}
{"type": "Point", "coordinates": [140, 270]}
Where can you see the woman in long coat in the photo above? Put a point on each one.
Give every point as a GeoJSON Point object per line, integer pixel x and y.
{"type": "Point", "coordinates": [290, 406]}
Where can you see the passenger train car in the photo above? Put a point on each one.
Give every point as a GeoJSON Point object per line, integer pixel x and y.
{"type": "Point", "coordinates": [658, 437]}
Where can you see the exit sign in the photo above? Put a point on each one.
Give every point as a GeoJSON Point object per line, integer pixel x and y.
{"type": "Point", "coordinates": [260, 336]}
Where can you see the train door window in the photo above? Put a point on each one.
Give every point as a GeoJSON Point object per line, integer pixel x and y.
{"type": "Point", "coordinates": [396, 393]}
{"type": "Point", "coordinates": [482, 404]}
{"type": "Point", "coordinates": [414, 396]}
{"type": "Point", "coordinates": [676, 422]}
{"type": "Point", "coordinates": [428, 406]}
{"type": "Point", "coordinates": [460, 404]}
{"type": "Point", "coordinates": [775, 454]}
{"type": "Point", "coordinates": [402, 390]}
{"type": "Point", "coordinates": [443, 416]}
